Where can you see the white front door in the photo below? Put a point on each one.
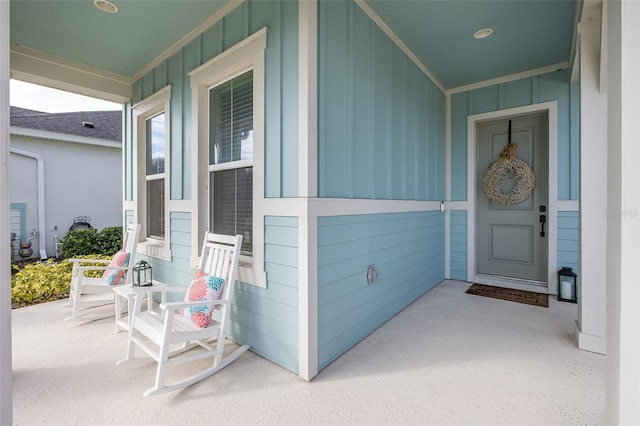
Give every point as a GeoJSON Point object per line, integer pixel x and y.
{"type": "Point", "coordinates": [511, 241]}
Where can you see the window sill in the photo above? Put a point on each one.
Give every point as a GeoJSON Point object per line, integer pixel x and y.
{"type": "Point", "coordinates": [250, 275]}
{"type": "Point", "coordinates": [155, 249]}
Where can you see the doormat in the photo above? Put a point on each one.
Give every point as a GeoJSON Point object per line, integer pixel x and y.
{"type": "Point", "coordinates": [520, 296]}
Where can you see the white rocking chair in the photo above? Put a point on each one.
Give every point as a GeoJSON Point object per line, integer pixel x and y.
{"type": "Point", "coordinates": [86, 293]}
{"type": "Point", "coordinates": [168, 335]}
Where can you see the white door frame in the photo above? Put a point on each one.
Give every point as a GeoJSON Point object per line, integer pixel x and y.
{"type": "Point", "coordinates": [551, 108]}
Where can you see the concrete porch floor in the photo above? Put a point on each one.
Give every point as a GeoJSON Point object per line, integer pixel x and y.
{"type": "Point", "coordinates": [449, 358]}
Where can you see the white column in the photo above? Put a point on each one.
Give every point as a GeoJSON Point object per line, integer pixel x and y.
{"type": "Point", "coordinates": [308, 188]}
{"type": "Point", "coordinates": [6, 405]}
{"type": "Point", "coordinates": [623, 243]}
{"type": "Point", "coordinates": [591, 323]}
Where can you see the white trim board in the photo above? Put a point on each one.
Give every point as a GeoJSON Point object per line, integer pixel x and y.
{"type": "Point", "coordinates": [42, 68]}
{"type": "Point", "coordinates": [552, 210]}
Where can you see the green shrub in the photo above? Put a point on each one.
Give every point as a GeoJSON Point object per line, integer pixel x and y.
{"type": "Point", "coordinates": [83, 242]}
{"type": "Point", "coordinates": [110, 240]}
{"type": "Point", "coordinates": [79, 243]}
{"type": "Point", "coordinates": [40, 282]}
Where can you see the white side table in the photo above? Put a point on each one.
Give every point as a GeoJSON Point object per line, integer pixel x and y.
{"type": "Point", "coordinates": [130, 293]}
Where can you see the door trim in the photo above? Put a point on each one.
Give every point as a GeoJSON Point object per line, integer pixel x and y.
{"type": "Point", "coordinates": [551, 108]}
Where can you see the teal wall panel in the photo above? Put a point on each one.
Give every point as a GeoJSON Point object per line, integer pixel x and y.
{"type": "Point", "coordinates": [516, 93]}
{"type": "Point", "coordinates": [459, 113]}
{"type": "Point", "coordinates": [553, 86]}
{"type": "Point", "coordinates": [458, 249]}
{"type": "Point", "coordinates": [381, 121]}
{"type": "Point", "coordinates": [568, 240]}
{"type": "Point", "coordinates": [482, 100]}
{"type": "Point", "coordinates": [406, 248]}
{"type": "Point", "coordinates": [281, 93]}
{"type": "Point", "coordinates": [268, 318]}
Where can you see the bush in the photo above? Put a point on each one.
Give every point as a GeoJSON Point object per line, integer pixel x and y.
{"type": "Point", "coordinates": [80, 242]}
{"type": "Point", "coordinates": [84, 242]}
{"type": "Point", "coordinates": [40, 282]}
{"type": "Point", "coordinates": [110, 240]}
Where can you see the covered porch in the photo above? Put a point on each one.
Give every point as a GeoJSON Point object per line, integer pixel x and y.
{"type": "Point", "coordinates": [449, 358]}
{"type": "Point", "coordinates": [440, 363]}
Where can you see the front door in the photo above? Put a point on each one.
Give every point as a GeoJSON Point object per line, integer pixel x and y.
{"type": "Point", "coordinates": [510, 242]}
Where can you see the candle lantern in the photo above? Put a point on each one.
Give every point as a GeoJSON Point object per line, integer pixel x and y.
{"type": "Point", "coordinates": [142, 274]}
{"type": "Point", "coordinates": [567, 288]}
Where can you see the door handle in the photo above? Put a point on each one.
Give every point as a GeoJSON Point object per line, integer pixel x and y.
{"type": "Point", "coordinates": [543, 220]}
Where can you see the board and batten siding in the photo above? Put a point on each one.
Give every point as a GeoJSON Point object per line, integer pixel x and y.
{"type": "Point", "coordinates": [407, 250]}
{"type": "Point", "coordinates": [568, 240]}
{"type": "Point", "coordinates": [381, 121]}
{"type": "Point", "coordinates": [458, 245]}
{"type": "Point", "coordinates": [268, 318]}
{"type": "Point", "coordinates": [553, 86]}
{"type": "Point", "coordinates": [281, 95]}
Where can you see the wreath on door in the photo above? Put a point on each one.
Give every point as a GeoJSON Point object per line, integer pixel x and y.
{"type": "Point", "coordinates": [505, 168]}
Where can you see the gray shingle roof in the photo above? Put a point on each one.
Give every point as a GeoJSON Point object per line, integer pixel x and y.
{"type": "Point", "coordinates": [106, 124]}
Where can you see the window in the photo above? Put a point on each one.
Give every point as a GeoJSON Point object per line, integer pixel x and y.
{"type": "Point", "coordinates": [228, 124]}
{"type": "Point", "coordinates": [155, 175]}
{"type": "Point", "coordinates": [231, 158]}
{"type": "Point", "coordinates": [151, 130]}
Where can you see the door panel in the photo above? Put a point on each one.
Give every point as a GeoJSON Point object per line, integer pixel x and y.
{"type": "Point", "coordinates": [509, 243]}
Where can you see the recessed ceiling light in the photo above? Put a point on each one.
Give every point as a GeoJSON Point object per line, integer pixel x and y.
{"type": "Point", "coordinates": [483, 33]}
{"type": "Point", "coordinates": [106, 6]}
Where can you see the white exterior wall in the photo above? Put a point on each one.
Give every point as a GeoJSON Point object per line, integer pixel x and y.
{"type": "Point", "coordinates": [623, 239]}
{"type": "Point", "coordinates": [6, 399]}
{"type": "Point", "coordinates": [80, 180]}
{"type": "Point", "coordinates": [591, 324]}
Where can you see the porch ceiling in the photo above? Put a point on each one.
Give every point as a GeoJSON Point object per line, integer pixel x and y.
{"type": "Point", "coordinates": [527, 34]}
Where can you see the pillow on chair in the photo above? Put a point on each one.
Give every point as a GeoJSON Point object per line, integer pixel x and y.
{"type": "Point", "coordinates": [113, 276]}
{"type": "Point", "coordinates": [203, 287]}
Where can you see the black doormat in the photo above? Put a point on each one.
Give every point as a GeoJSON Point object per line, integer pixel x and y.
{"type": "Point", "coordinates": [520, 296]}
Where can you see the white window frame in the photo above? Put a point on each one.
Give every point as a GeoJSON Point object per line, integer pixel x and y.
{"type": "Point", "coordinates": [148, 108]}
{"type": "Point", "coordinates": [244, 56]}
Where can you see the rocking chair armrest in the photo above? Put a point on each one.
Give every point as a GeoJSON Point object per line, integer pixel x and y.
{"type": "Point", "coordinates": [172, 306]}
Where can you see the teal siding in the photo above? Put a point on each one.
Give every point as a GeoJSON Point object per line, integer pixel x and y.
{"type": "Point", "coordinates": [553, 86]}
{"type": "Point", "coordinates": [381, 129]}
{"type": "Point", "coordinates": [281, 94]}
{"type": "Point", "coordinates": [267, 319]}
{"type": "Point", "coordinates": [568, 240]}
{"type": "Point", "coordinates": [458, 249]}
{"type": "Point", "coordinates": [406, 248]}
{"type": "Point", "coordinates": [178, 271]}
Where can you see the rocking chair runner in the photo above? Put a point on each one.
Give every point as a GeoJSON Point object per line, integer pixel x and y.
{"type": "Point", "coordinates": [86, 293]}
{"type": "Point", "coordinates": [180, 323]}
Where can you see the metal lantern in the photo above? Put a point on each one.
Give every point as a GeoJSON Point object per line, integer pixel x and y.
{"type": "Point", "coordinates": [142, 274]}
{"type": "Point", "coordinates": [567, 288]}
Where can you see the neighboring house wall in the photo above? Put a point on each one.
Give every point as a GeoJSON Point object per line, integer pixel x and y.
{"type": "Point", "coordinates": [79, 180]}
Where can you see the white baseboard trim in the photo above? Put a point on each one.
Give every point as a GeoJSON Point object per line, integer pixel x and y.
{"type": "Point", "coordinates": [589, 342]}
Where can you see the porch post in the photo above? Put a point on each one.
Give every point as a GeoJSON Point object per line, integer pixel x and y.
{"type": "Point", "coordinates": [591, 323]}
{"type": "Point", "coordinates": [308, 188]}
{"type": "Point", "coordinates": [6, 399]}
{"type": "Point", "coordinates": [623, 235]}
